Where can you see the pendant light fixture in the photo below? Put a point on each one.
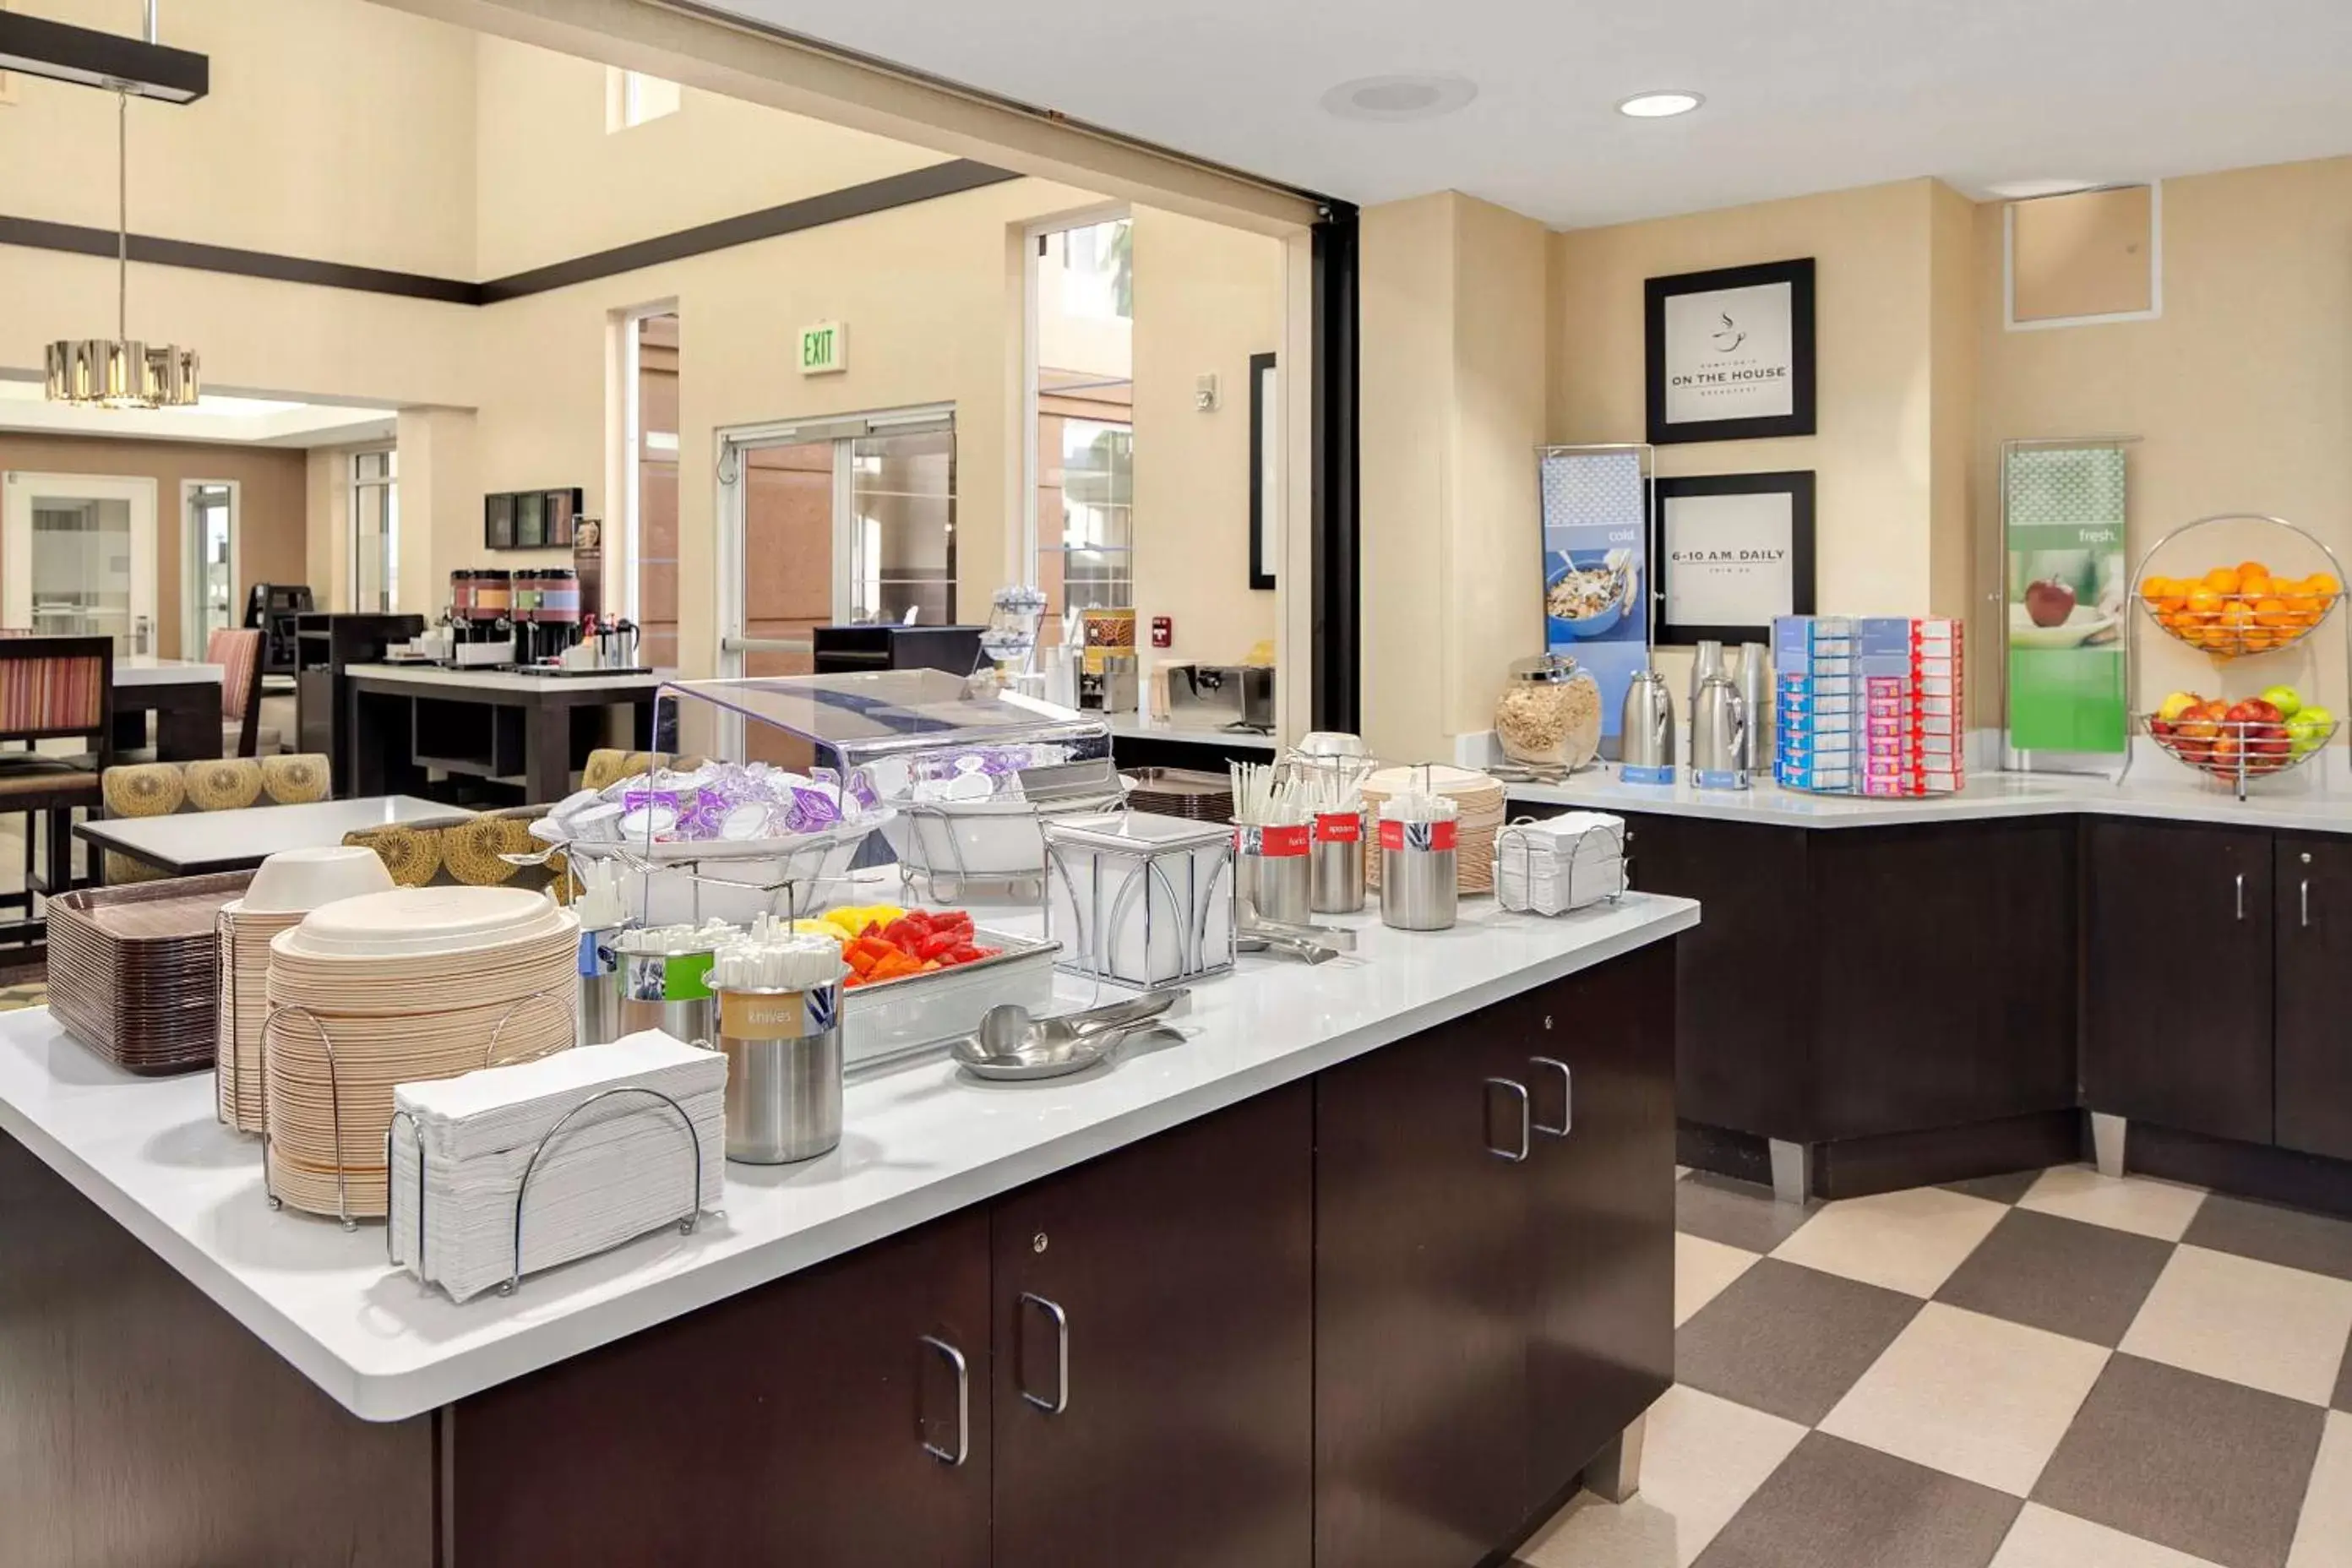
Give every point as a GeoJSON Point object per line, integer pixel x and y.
{"type": "Point", "coordinates": [123, 371]}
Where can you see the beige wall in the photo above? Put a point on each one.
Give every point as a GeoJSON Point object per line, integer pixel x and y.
{"type": "Point", "coordinates": [1875, 341]}
{"type": "Point", "coordinates": [2241, 395]}
{"type": "Point", "coordinates": [334, 129]}
{"type": "Point", "coordinates": [270, 507]}
{"type": "Point", "coordinates": [1206, 299]}
{"type": "Point", "coordinates": [1452, 409]}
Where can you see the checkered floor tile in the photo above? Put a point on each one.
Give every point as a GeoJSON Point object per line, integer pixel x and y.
{"type": "Point", "coordinates": [2053, 1369]}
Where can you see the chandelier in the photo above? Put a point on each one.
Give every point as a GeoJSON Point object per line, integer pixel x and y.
{"type": "Point", "coordinates": [123, 371]}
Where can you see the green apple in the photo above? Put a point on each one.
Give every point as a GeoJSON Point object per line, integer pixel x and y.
{"type": "Point", "coordinates": [2309, 729]}
{"type": "Point", "coordinates": [2284, 698]}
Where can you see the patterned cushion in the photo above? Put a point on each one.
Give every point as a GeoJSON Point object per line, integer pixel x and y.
{"type": "Point", "coordinates": [609, 765]}
{"type": "Point", "coordinates": [226, 784]}
{"type": "Point", "coordinates": [465, 849]}
{"type": "Point", "coordinates": [145, 789]}
{"type": "Point", "coordinates": [51, 694]}
{"type": "Point", "coordinates": [297, 779]}
{"type": "Point", "coordinates": [235, 651]}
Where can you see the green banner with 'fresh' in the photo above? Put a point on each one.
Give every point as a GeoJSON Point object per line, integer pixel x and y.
{"type": "Point", "coordinates": [2067, 580]}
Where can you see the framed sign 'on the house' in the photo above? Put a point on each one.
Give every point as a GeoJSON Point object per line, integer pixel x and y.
{"type": "Point", "coordinates": [1732, 552]}
{"type": "Point", "coordinates": [1730, 352]}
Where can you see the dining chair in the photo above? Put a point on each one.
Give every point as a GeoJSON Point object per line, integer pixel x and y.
{"type": "Point", "coordinates": [238, 651]}
{"type": "Point", "coordinates": [52, 688]}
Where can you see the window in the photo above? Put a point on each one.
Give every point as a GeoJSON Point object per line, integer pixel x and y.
{"type": "Point", "coordinates": [209, 564]}
{"type": "Point", "coordinates": [2083, 256]}
{"type": "Point", "coordinates": [647, 545]}
{"type": "Point", "coordinates": [633, 98]}
{"type": "Point", "coordinates": [375, 531]}
{"type": "Point", "coordinates": [1082, 413]}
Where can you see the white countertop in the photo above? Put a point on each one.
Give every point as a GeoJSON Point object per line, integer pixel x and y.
{"type": "Point", "coordinates": [146, 669]}
{"type": "Point", "coordinates": [221, 838]}
{"type": "Point", "coordinates": [510, 680]}
{"type": "Point", "coordinates": [921, 1140]}
{"type": "Point", "coordinates": [2313, 798]}
{"type": "Point", "coordinates": [1140, 727]}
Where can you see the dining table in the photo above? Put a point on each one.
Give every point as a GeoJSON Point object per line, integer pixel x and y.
{"type": "Point", "coordinates": [184, 696]}
{"type": "Point", "coordinates": [195, 843]}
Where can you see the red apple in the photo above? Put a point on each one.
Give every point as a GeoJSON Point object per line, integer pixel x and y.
{"type": "Point", "coordinates": [2253, 711]}
{"type": "Point", "coordinates": [2048, 604]}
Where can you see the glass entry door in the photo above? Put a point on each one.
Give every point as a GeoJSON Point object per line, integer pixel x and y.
{"type": "Point", "coordinates": [78, 557]}
{"type": "Point", "coordinates": [208, 567]}
{"type": "Point", "coordinates": [830, 521]}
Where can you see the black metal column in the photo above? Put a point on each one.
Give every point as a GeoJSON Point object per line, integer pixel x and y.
{"type": "Point", "coordinates": [1338, 696]}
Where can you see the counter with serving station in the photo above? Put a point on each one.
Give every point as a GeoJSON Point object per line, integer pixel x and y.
{"type": "Point", "coordinates": [1335, 1241]}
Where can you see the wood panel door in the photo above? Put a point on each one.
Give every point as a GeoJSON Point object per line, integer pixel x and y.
{"type": "Point", "coordinates": [2176, 963]}
{"type": "Point", "coordinates": [1421, 1300]}
{"type": "Point", "coordinates": [1599, 1248]}
{"type": "Point", "coordinates": [2314, 990]}
{"type": "Point", "coordinates": [1154, 1323]}
{"type": "Point", "coordinates": [816, 1421]}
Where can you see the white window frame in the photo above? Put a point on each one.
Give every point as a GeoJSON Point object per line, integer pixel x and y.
{"type": "Point", "coordinates": [2155, 264]}
{"type": "Point", "coordinates": [1025, 537]}
{"type": "Point", "coordinates": [192, 639]}
{"type": "Point", "coordinates": [626, 324]}
{"type": "Point", "coordinates": [353, 485]}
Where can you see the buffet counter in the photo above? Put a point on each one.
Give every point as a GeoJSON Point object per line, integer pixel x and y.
{"type": "Point", "coordinates": [1944, 996]}
{"type": "Point", "coordinates": [1278, 1062]}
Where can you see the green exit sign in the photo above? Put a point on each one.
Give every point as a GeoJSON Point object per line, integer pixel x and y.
{"type": "Point", "coordinates": [824, 348]}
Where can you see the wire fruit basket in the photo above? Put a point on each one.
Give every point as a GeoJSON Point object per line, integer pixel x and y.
{"type": "Point", "coordinates": [2235, 751]}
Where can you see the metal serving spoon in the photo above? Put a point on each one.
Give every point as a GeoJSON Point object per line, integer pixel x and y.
{"type": "Point", "coordinates": [1012, 1043]}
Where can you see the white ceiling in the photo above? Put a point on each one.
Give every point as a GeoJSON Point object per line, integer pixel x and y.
{"type": "Point", "coordinates": [246, 421]}
{"type": "Point", "coordinates": [1802, 95]}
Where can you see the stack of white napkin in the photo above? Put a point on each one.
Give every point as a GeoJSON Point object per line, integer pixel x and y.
{"type": "Point", "coordinates": [1562, 863]}
{"type": "Point", "coordinates": [622, 1167]}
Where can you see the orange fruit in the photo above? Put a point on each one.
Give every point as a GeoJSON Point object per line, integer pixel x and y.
{"type": "Point", "coordinates": [2272, 612]}
{"type": "Point", "coordinates": [2252, 569]}
{"type": "Point", "coordinates": [2205, 604]}
{"type": "Point", "coordinates": [2254, 584]}
{"type": "Point", "coordinates": [2223, 579]}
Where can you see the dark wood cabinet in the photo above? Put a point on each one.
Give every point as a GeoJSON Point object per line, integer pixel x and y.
{"type": "Point", "coordinates": [2177, 1025]}
{"type": "Point", "coordinates": [1154, 1324]}
{"type": "Point", "coordinates": [1494, 1264]}
{"type": "Point", "coordinates": [1600, 1209]}
{"type": "Point", "coordinates": [1421, 1300]}
{"type": "Point", "coordinates": [2313, 919]}
{"type": "Point", "coordinates": [802, 1422]}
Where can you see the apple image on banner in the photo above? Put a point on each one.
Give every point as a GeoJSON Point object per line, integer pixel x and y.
{"type": "Point", "coordinates": [2049, 604]}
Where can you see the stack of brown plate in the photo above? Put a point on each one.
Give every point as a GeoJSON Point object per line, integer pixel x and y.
{"type": "Point", "coordinates": [245, 938]}
{"type": "Point", "coordinates": [1480, 798]}
{"type": "Point", "coordinates": [134, 973]}
{"type": "Point", "coordinates": [392, 988]}
{"type": "Point", "coordinates": [1179, 792]}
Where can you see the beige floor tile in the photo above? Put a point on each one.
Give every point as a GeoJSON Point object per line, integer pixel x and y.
{"type": "Point", "coordinates": [1703, 1458]}
{"type": "Point", "coordinates": [2044, 1538]}
{"type": "Point", "coordinates": [1908, 1241]}
{"type": "Point", "coordinates": [2324, 1537]}
{"type": "Point", "coordinates": [1702, 1269]}
{"type": "Point", "coordinates": [2279, 1329]}
{"type": "Point", "coordinates": [1970, 1395]}
{"type": "Point", "coordinates": [2141, 1204]}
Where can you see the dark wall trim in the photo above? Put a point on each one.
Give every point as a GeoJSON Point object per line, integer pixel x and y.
{"type": "Point", "coordinates": [813, 212]}
{"type": "Point", "coordinates": [1337, 678]}
{"type": "Point", "coordinates": [73, 238]}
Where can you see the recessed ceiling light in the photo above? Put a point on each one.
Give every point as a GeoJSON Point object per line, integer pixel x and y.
{"type": "Point", "coordinates": [1659, 105]}
{"type": "Point", "coordinates": [2026, 190]}
{"type": "Point", "coordinates": [1420, 97]}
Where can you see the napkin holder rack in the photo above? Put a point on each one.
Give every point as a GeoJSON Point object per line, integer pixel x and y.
{"type": "Point", "coordinates": [686, 1222]}
{"type": "Point", "coordinates": [1612, 845]}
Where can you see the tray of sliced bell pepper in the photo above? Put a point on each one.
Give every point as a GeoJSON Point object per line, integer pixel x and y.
{"type": "Point", "coordinates": [917, 942]}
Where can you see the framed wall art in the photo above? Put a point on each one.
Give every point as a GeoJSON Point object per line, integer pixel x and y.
{"type": "Point", "coordinates": [1731, 552]}
{"type": "Point", "coordinates": [1730, 352]}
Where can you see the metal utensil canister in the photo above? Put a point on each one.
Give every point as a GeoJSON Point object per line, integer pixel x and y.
{"type": "Point", "coordinates": [783, 1073]}
{"type": "Point", "coordinates": [1273, 872]}
{"type": "Point", "coordinates": [1418, 871]}
{"type": "Point", "coordinates": [1339, 862]}
{"type": "Point", "coordinates": [665, 991]}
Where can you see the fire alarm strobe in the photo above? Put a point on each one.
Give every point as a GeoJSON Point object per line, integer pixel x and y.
{"type": "Point", "coordinates": [1163, 631]}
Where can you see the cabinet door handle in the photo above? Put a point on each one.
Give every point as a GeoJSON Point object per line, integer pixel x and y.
{"type": "Point", "coordinates": [963, 1369]}
{"type": "Point", "coordinates": [1567, 1097]}
{"type": "Point", "coordinates": [2242, 895]}
{"type": "Point", "coordinates": [2303, 898]}
{"type": "Point", "coordinates": [1527, 1120]}
{"type": "Point", "coordinates": [1061, 1400]}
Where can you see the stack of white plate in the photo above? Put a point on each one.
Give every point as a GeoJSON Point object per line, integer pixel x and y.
{"type": "Point", "coordinates": [399, 987]}
{"type": "Point", "coordinates": [604, 1166]}
{"type": "Point", "coordinates": [287, 886]}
